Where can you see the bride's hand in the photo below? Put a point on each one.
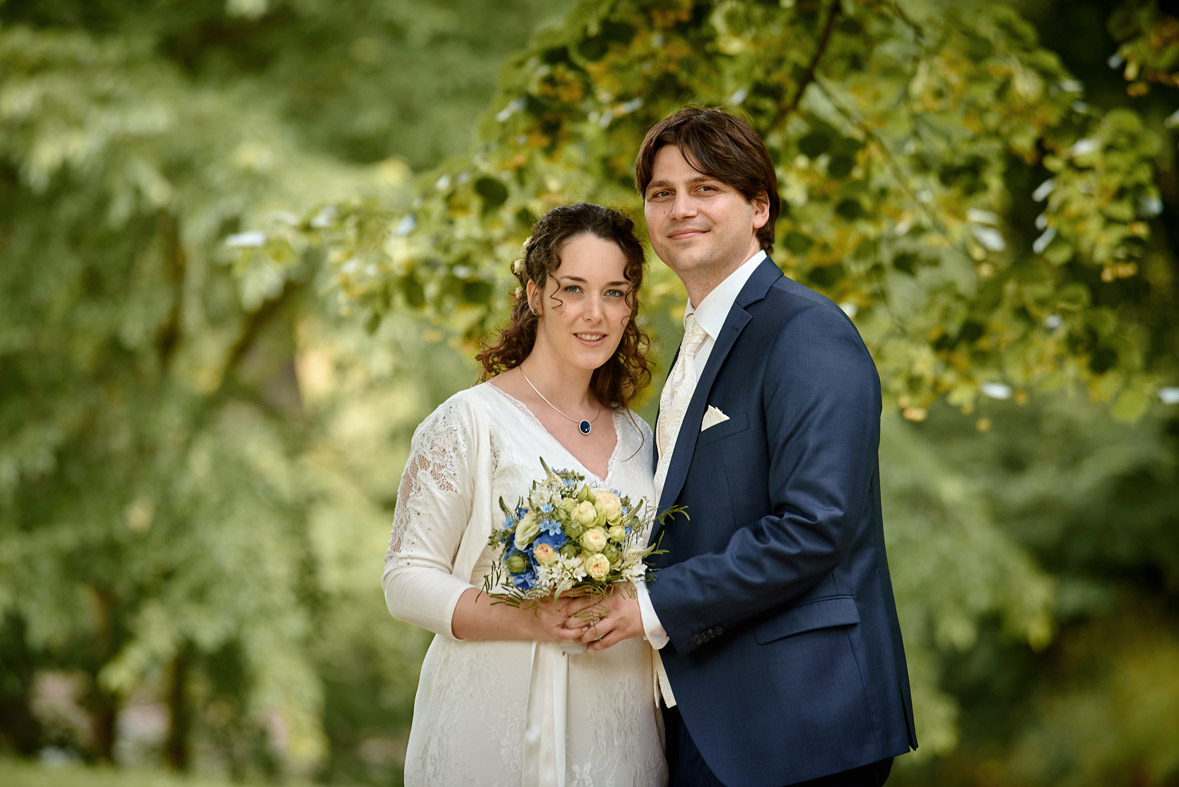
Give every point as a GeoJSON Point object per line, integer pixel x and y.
{"type": "Point", "coordinates": [550, 621]}
{"type": "Point", "coordinates": [584, 609]}
{"type": "Point", "coordinates": [606, 620]}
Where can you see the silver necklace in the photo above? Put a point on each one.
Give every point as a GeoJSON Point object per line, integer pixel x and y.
{"type": "Point", "coordinates": [583, 426]}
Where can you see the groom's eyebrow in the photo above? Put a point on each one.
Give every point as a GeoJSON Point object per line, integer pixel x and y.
{"type": "Point", "coordinates": [700, 177]}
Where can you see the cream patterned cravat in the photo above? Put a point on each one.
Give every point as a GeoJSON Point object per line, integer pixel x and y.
{"type": "Point", "coordinates": [677, 393]}
{"type": "Point", "coordinates": [673, 403]}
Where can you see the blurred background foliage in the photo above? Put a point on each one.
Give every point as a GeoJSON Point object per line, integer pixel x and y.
{"type": "Point", "coordinates": [245, 246]}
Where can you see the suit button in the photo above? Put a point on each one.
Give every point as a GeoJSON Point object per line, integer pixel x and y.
{"type": "Point", "coordinates": [716, 632]}
{"type": "Point", "coordinates": [696, 638]}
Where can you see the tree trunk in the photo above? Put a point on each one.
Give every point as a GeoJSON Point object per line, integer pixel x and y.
{"type": "Point", "coordinates": [103, 704]}
{"type": "Point", "coordinates": [176, 752]}
{"type": "Point", "coordinates": [19, 729]}
{"type": "Point", "coordinates": [104, 717]}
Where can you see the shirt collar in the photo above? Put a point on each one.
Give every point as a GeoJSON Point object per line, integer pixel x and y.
{"type": "Point", "coordinates": [714, 309]}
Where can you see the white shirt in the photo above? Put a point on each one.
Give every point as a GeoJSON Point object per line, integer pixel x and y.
{"type": "Point", "coordinates": [711, 314]}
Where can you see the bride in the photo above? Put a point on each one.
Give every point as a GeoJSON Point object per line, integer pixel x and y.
{"type": "Point", "coordinates": [499, 703]}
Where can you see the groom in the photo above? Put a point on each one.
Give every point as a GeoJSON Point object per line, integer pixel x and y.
{"type": "Point", "coordinates": [771, 607]}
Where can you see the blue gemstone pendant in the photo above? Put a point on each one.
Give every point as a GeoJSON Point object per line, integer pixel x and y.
{"type": "Point", "coordinates": [585, 427]}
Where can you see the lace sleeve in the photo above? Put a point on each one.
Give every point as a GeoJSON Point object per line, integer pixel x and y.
{"type": "Point", "coordinates": [434, 504]}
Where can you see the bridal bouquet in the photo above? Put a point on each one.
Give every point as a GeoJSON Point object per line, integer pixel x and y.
{"type": "Point", "coordinates": [567, 535]}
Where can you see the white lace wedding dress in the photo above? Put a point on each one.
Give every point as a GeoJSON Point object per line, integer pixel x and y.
{"type": "Point", "coordinates": [493, 713]}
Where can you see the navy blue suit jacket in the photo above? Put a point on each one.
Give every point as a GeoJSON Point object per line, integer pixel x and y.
{"type": "Point", "coordinates": [785, 656]}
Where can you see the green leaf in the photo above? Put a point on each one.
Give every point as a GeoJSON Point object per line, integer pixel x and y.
{"type": "Point", "coordinates": [797, 243]}
{"type": "Point", "coordinates": [1059, 251]}
{"type": "Point", "coordinates": [415, 294]}
{"type": "Point", "coordinates": [493, 192]}
{"type": "Point", "coordinates": [906, 262]}
{"type": "Point", "coordinates": [840, 166]}
{"type": "Point", "coordinates": [850, 210]}
{"type": "Point", "coordinates": [814, 144]}
{"type": "Point", "coordinates": [826, 276]}
{"type": "Point", "coordinates": [1132, 403]}
{"type": "Point", "coordinates": [476, 292]}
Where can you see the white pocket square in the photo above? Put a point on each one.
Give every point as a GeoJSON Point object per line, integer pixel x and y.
{"type": "Point", "coordinates": [712, 417]}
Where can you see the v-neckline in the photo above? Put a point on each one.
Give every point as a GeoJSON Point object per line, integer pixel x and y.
{"type": "Point", "coordinates": [531, 416]}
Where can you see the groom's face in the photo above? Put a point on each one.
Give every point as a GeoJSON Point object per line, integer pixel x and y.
{"type": "Point", "coordinates": [702, 227]}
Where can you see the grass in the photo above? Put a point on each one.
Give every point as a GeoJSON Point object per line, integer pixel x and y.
{"type": "Point", "coordinates": [21, 773]}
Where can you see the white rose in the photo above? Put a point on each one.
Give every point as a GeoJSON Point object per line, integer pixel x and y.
{"type": "Point", "coordinates": [526, 530]}
{"type": "Point", "coordinates": [544, 554]}
{"type": "Point", "coordinates": [609, 504]}
{"type": "Point", "coordinates": [585, 513]}
{"type": "Point", "coordinates": [594, 539]}
{"type": "Point", "coordinates": [597, 566]}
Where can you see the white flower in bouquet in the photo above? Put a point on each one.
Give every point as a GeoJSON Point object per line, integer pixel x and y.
{"type": "Point", "coordinates": [566, 534]}
{"type": "Point", "coordinates": [545, 554]}
{"type": "Point", "coordinates": [585, 513]}
{"type": "Point", "coordinates": [609, 505]}
{"type": "Point", "coordinates": [527, 529]}
{"type": "Point", "coordinates": [594, 539]}
{"type": "Point", "coordinates": [597, 566]}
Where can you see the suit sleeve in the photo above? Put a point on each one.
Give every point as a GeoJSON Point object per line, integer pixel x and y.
{"type": "Point", "coordinates": [821, 400]}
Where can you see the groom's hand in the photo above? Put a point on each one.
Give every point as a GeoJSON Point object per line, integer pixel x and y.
{"type": "Point", "coordinates": [606, 620]}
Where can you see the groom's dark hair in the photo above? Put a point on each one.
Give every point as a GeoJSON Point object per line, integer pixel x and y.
{"type": "Point", "coordinates": [719, 145]}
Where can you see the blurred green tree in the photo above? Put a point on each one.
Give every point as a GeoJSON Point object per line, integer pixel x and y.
{"type": "Point", "coordinates": [942, 174]}
{"type": "Point", "coordinates": [1091, 503]}
{"type": "Point", "coordinates": [178, 522]}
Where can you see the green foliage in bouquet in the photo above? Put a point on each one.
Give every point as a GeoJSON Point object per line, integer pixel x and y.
{"type": "Point", "coordinates": [568, 534]}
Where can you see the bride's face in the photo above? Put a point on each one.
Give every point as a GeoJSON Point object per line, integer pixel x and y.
{"type": "Point", "coordinates": [583, 309]}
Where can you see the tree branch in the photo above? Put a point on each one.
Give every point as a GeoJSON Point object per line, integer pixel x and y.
{"type": "Point", "coordinates": [824, 39]}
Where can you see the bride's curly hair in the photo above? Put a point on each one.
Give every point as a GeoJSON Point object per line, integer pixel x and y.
{"type": "Point", "coordinates": [627, 372]}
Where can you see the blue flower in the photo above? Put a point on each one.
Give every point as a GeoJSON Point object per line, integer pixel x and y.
{"type": "Point", "coordinates": [525, 580]}
{"type": "Point", "coordinates": [556, 539]}
{"type": "Point", "coordinates": [520, 512]}
{"type": "Point", "coordinates": [547, 508]}
{"type": "Point", "coordinates": [551, 526]}
{"type": "Point", "coordinates": [528, 564]}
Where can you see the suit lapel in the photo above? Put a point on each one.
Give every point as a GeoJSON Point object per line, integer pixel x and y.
{"type": "Point", "coordinates": [754, 290]}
